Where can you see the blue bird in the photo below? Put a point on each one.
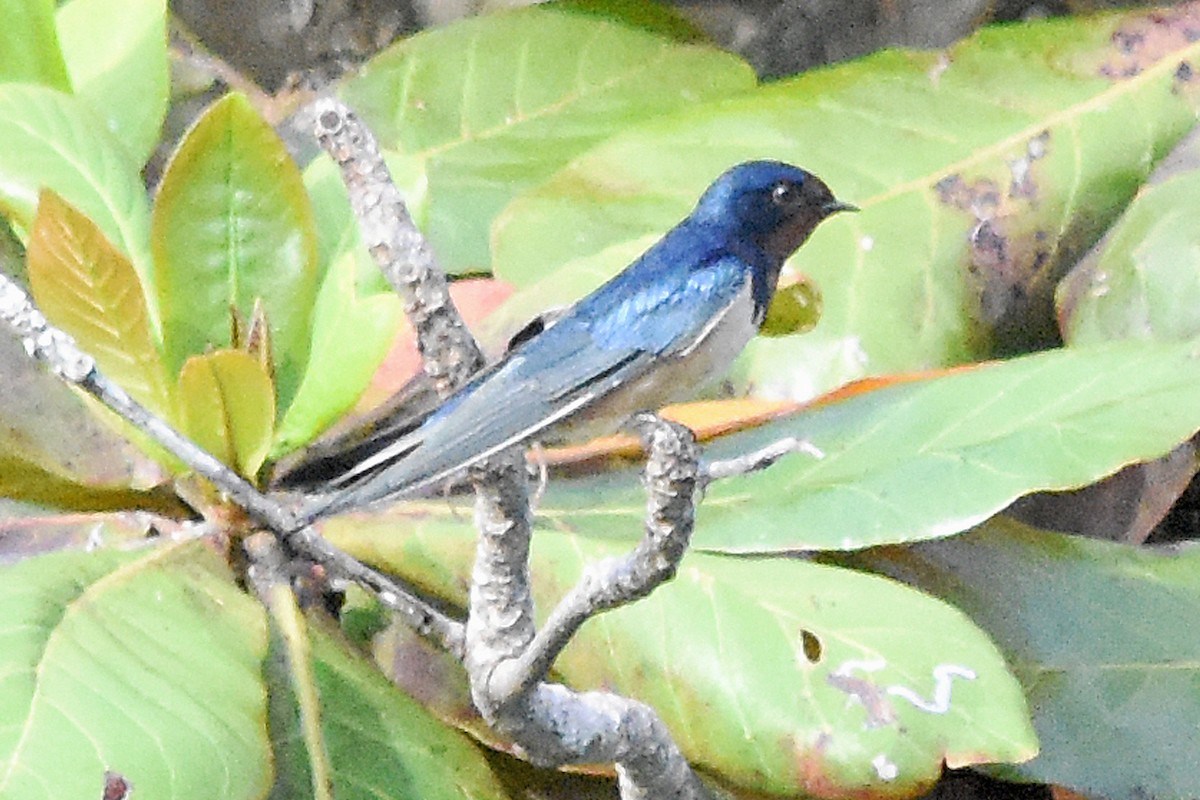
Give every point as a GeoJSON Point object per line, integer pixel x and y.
{"type": "Point", "coordinates": [669, 323]}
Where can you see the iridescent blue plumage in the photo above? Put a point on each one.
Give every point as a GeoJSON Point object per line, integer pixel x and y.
{"type": "Point", "coordinates": [670, 322]}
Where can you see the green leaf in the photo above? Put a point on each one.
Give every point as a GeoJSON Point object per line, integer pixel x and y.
{"type": "Point", "coordinates": [927, 458]}
{"type": "Point", "coordinates": [494, 104]}
{"type": "Point", "coordinates": [982, 172]}
{"type": "Point", "coordinates": [145, 663]}
{"type": "Point", "coordinates": [50, 140]}
{"type": "Point", "coordinates": [29, 49]}
{"type": "Point", "coordinates": [232, 223]}
{"type": "Point", "coordinates": [228, 404]}
{"type": "Point", "coordinates": [89, 289]}
{"type": "Point", "coordinates": [777, 674]}
{"type": "Point", "coordinates": [302, 759]}
{"type": "Point", "coordinates": [351, 335]}
{"type": "Point", "coordinates": [1092, 630]}
{"type": "Point", "coordinates": [379, 742]}
{"type": "Point", "coordinates": [116, 52]}
{"type": "Point", "coordinates": [1145, 281]}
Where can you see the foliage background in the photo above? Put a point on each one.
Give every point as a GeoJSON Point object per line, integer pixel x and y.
{"type": "Point", "coordinates": [986, 170]}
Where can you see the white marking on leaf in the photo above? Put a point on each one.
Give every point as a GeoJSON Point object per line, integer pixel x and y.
{"type": "Point", "coordinates": [943, 675]}
{"type": "Point", "coordinates": [885, 768]}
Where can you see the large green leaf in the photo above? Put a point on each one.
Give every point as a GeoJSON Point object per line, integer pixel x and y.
{"type": "Point", "coordinates": [48, 139]}
{"type": "Point", "coordinates": [144, 663]}
{"type": "Point", "coordinates": [928, 458]}
{"type": "Point", "coordinates": [1145, 280]}
{"type": "Point", "coordinates": [366, 738]}
{"type": "Point", "coordinates": [1094, 632]}
{"type": "Point", "coordinates": [232, 224]}
{"type": "Point", "coordinates": [116, 52]}
{"type": "Point", "coordinates": [982, 172]}
{"type": "Point", "coordinates": [29, 50]}
{"type": "Point", "coordinates": [916, 460]}
{"type": "Point", "coordinates": [494, 104]}
{"type": "Point", "coordinates": [89, 289]}
{"type": "Point", "coordinates": [776, 674]}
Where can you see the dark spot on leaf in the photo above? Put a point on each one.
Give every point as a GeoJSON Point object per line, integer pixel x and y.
{"type": "Point", "coordinates": [981, 198]}
{"type": "Point", "coordinates": [1184, 72]}
{"type": "Point", "coordinates": [115, 786]}
{"type": "Point", "coordinates": [867, 694]}
{"type": "Point", "coordinates": [811, 645]}
{"type": "Point", "coordinates": [1144, 40]}
{"type": "Point", "coordinates": [1126, 41]}
{"type": "Point", "coordinates": [989, 248]}
{"type": "Point", "coordinates": [949, 189]}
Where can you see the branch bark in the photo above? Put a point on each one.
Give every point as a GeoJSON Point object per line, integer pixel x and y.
{"type": "Point", "coordinates": [58, 351]}
{"type": "Point", "coordinates": [506, 658]}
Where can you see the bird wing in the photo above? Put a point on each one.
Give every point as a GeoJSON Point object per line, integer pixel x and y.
{"type": "Point", "coordinates": [600, 345]}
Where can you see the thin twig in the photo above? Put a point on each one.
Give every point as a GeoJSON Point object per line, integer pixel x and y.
{"type": "Point", "coordinates": [756, 460]}
{"type": "Point", "coordinates": [62, 355]}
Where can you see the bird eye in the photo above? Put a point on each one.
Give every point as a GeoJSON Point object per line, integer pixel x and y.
{"type": "Point", "coordinates": [785, 193]}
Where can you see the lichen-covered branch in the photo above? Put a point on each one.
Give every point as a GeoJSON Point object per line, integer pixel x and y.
{"type": "Point", "coordinates": [449, 352]}
{"type": "Point", "coordinates": [506, 659]}
{"type": "Point", "coordinates": [670, 478]}
{"type": "Point", "coordinates": [62, 355]}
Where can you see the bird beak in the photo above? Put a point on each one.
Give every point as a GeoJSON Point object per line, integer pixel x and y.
{"type": "Point", "coordinates": [834, 206]}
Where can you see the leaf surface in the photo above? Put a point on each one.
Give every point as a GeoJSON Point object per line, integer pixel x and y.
{"type": "Point", "coordinates": [495, 104]}
{"type": "Point", "coordinates": [377, 743]}
{"type": "Point", "coordinates": [116, 52]}
{"type": "Point", "coordinates": [51, 140]}
{"type": "Point", "coordinates": [1092, 630]}
{"type": "Point", "coordinates": [777, 674]}
{"type": "Point", "coordinates": [1144, 280]}
{"type": "Point", "coordinates": [351, 333]}
{"type": "Point", "coordinates": [228, 404]}
{"type": "Point", "coordinates": [926, 458]}
{"type": "Point", "coordinates": [29, 49]}
{"type": "Point", "coordinates": [89, 288]}
{"type": "Point", "coordinates": [53, 449]}
{"type": "Point", "coordinates": [145, 663]}
{"type": "Point", "coordinates": [232, 224]}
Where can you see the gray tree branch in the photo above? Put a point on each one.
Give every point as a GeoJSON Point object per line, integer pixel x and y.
{"type": "Point", "coordinates": [506, 658]}
{"type": "Point", "coordinates": [62, 355]}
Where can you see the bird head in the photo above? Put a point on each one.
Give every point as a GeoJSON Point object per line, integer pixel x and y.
{"type": "Point", "coordinates": [771, 204]}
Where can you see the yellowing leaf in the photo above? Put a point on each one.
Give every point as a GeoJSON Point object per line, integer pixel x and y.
{"type": "Point", "coordinates": [88, 287]}
{"type": "Point", "coordinates": [228, 404]}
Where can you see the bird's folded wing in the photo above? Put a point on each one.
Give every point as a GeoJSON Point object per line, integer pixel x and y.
{"type": "Point", "coordinates": [513, 406]}
{"type": "Point", "coordinates": [559, 373]}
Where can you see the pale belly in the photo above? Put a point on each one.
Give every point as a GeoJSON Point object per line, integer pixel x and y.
{"type": "Point", "coordinates": [677, 377]}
